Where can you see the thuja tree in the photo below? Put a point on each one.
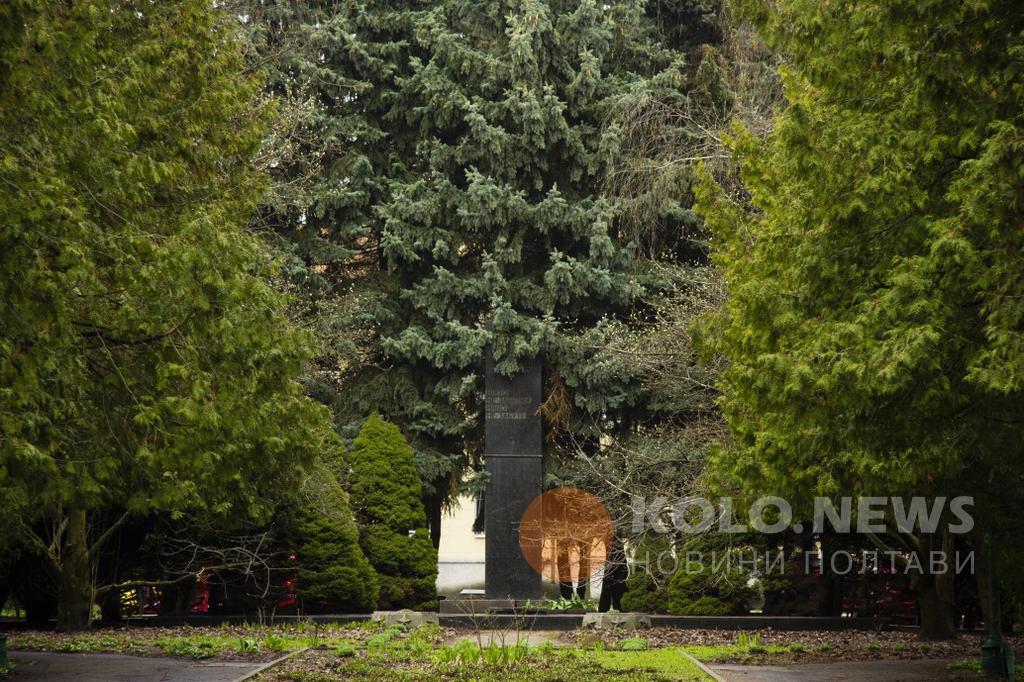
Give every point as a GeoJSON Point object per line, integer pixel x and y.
{"type": "Point", "coordinates": [334, 573]}
{"type": "Point", "coordinates": [144, 361]}
{"type": "Point", "coordinates": [385, 497]}
{"type": "Point", "coordinates": [873, 326]}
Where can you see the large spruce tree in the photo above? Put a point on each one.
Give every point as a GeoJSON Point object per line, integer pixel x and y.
{"type": "Point", "coordinates": [451, 179]}
{"type": "Point", "coordinates": [504, 233]}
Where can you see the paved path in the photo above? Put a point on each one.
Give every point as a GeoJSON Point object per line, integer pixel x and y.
{"type": "Point", "coordinates": [36, 666]}
{"type": "Point", "coordinates": [851, 671]}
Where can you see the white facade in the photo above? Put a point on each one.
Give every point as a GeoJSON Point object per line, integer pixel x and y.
{"type": "Point", "coordinates": [460, 558]}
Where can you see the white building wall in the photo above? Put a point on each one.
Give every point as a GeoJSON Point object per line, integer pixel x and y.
{"type": "Point", "coordinates": [460, 558]}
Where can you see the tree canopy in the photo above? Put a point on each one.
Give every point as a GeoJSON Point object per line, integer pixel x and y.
{"type": "Point", "coordinates": [873, 325]}
{"type": "Point", "coordinates": [146, 363]}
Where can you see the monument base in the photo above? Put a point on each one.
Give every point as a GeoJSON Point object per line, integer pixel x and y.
{"type": "Point", "coordinates": [629, 620]}
{"type": "Point", "coordinates": [406, 617]}
{"type": "Point", "coordinates": [468, 607]}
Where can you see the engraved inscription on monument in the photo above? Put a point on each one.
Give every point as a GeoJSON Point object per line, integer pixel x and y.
{"type": "Point", "coordinates": [501, 404]}
{"type": "Point", "coordinates": [512, 426]}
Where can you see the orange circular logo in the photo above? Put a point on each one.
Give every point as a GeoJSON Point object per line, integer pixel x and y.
{"type": "Point", "coordinates": [565, 534]}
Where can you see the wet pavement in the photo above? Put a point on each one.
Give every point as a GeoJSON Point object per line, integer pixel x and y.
{"type": "Point", "coordinates": [849, 671]}
{"type": "Point", "coordinates": [36, 666]}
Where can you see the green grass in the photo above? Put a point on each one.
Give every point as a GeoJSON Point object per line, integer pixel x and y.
{"type": "Point", "coordinates": [745, 647]}
{"type": "Point", "coordinates": [375, 652]}
{"type": "Point", "coordinates": [974, 665]}
{"type": "Point", "coordinates": [633, 644]}
{"type": "Point", "coordinates": [667, 663]}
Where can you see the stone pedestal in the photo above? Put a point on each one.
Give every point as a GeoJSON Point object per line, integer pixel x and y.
{"type": "Point", "coordinates": [410, 619]}
{"type": "Point", "coordinates": [629, 620]}
{"type": "Point", "coordinates": [513, 452]}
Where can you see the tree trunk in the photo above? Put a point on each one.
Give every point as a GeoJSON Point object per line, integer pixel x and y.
{"type": "Point", "coordinates": [936, 611]}
{"type": "Point", "coordinates": [433, 505]}
{"type": "Point", "coordinates": [935, 591]}
{"type": "Point", "coordinates": [76, 587]}
{"type": "Point", "coordinates": [981, 569]}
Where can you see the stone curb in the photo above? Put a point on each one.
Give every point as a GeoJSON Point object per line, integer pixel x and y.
{"type": "Point", "coordinates": [267, 666]}
{"type": "Point", "coordinates": [703, 668]}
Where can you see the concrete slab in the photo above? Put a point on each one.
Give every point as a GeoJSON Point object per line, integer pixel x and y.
{"type": "Point", "coordinates": [38, 666]}
{"type": "Point", "coordinates": [846, 671]}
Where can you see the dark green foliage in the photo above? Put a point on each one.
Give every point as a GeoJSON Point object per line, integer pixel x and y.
{"type": "Point", "coordinates": [696, 590]}
{"type": "Point", "coordinates": [792, 591]}
{"type": "Point", "coordinates": [334, 573]}
{"type": "Point", "coordinates": [385, 497]}
{"type": "Point", "coordinates": [650, 571]}
{"type": "Point", "coordinates": [330, 69]}
{"type": "Point", "coordinates": [644, 594]}
{"type": "Point", "coordinates": [451, 168]}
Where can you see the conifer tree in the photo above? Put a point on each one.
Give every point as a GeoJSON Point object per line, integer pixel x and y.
{"type": "Point", "coordinates": [873, 328]}
{"type": "Point", "coordinates": [467, 149]}
{"type": "Point", "coordinates": [504, 233]}
{"type": "Point", "coordinates": [146, 364]}
{"type": "Point", "coordinates": [334, 573]}
{"type": "Point", "coordinates": [385, 496]}
{"type": "Point", "coordinates": [330, 70]}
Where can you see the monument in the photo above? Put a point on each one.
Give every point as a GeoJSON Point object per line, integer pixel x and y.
{"type": "Point", "coordinates": [513, 451]}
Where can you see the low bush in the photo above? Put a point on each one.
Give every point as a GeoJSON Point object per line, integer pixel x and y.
{"type": "Point", "coordinates": [701, 592]}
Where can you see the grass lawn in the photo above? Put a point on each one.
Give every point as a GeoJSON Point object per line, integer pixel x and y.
{"type": "Point", "coordinates": [226, 642]}
{"type": "Point", "coordinates": [372, 651]}
{"type": "Point", "coordinates": [668, 663]}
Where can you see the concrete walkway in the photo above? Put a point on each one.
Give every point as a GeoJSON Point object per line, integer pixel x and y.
{"type": "Point", "coordinates": [850, 671]}
{"type": "Point", "coordinates": [33, 666]}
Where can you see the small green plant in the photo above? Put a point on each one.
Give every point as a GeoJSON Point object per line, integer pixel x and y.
{"type": "Point", "coordinates": [422, 640]}
{"type": "Point", "coordinates": [75, 646]}
{"type": "Point", "coordinates": [468, 652]}
{"type": "Point", "coordinates": [633, 644]}
{"type": "Point", "coordinates": [750, 642]}
{"type": "Point", "coordinates": [275, 642]}
{"type": "Point", "coordinates": [384, 638]}
{"type": "Point", "coordinates": [499, 655]}
{"type": "Point", "coordinates": [344, 650]}
{"type": "Point", "coordinates": [968, 664]}
{"type": "Point", "coordinates": [797, 648]}
{"type": "Point", "coordinates": [461, 652]}
{"type": "Point", "coordinates": [248, 644]}
{"type": "Point", "coordinates": [574, 602]}
{"type": "Point", "coordinates": [186, 647]}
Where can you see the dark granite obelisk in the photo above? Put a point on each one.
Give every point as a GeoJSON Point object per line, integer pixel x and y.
{"type": "Point", "coordinates": [513, 451]}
